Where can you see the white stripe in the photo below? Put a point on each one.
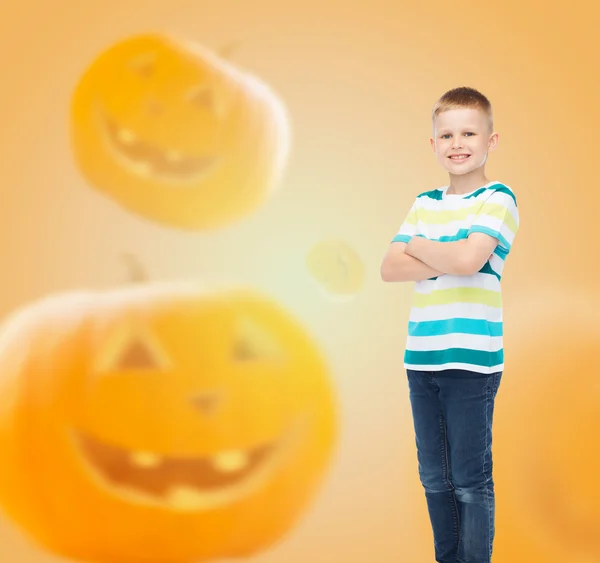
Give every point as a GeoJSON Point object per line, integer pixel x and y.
{"type": "Point", "coordinates": [480, 342]}
{"type": "Point", "coordinates": [507, 233]}
{"type": "Point", "coordinates": [407, 230]}
{"type": "Point", "coordinates": [493, 224]}
{"type": "Point", "coordinates": [505, 200]}
{"type": "Point", "coordinates": [455, 365]}
{"type": "Point", "coordinates": [452, 204]}
{"type": "Point", "coordinates": [497, 264]}
{"type": "Point", "coordinates": [454, 310]}
{"type": "Point", "coordinates": [437, 231]}
{"type": "Point", "coordinates": [477, 280]}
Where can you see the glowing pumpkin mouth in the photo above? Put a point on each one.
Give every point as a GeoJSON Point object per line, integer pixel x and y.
{"type": "Point", "coordinates": [184, 483]}
{"type": "Point", "coordinates": [149, 161]}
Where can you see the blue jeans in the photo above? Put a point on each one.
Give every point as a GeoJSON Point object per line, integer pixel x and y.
{"type": "Point", "coordinates": [452, 414]}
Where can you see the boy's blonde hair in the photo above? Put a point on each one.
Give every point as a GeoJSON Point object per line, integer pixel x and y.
{"type": "Point", "coordinates": [463, 97]}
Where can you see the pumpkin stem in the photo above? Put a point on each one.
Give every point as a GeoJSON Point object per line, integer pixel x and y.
{"type": "Point", "coordinates": [137, 273]}
{"type": "Point", "coordinates": [227, 50]}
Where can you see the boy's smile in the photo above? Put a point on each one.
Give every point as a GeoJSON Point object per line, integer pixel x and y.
{"type": "Point", "coordinates": [462, 139]}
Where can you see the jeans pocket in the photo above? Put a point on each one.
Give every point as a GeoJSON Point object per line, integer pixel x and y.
{"type": "Point", "coordinates": [496, 378]}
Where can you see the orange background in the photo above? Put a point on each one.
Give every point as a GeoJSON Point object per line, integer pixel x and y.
{"type": "Point", "coordinates": [359, 80]}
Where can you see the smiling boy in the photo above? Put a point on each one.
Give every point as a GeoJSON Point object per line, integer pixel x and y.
{"type": "Point", "coordinates": [453, 243]}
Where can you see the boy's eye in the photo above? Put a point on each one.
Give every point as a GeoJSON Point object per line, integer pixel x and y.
{"type": "Point", "coordinates": [448, 135]}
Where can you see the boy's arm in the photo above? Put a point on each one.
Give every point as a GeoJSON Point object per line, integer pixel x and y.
{"type": "Point", "coordinates": [461, 258]}
{"type": "Point", "coordinates": [397, 266]}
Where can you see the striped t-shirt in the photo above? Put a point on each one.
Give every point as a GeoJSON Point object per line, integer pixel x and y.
{"type": "Point", "coordinates": [456, 321]}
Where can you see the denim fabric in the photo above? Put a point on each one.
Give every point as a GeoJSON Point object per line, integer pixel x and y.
{"type": "Point", "coordinates": [452, 414]}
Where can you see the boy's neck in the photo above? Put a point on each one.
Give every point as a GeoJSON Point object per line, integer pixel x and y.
{"type": "Point", "coordinates": [466, 184]}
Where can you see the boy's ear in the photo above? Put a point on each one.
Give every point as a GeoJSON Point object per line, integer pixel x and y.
{"type": "Point", "coordinates": [493, 142]}
{"type": "Point", "coordinates": [432, 143]}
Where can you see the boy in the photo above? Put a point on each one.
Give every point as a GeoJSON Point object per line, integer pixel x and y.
{"type": "Point", "coordinates": [453, 243]}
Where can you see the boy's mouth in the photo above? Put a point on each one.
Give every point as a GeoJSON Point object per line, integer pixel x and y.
{"type": "Point", "coordinates": [459, 157]}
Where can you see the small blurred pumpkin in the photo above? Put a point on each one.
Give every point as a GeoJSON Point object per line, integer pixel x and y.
{"type": "Point", "coordinates": [160, 421]}
{"type": "Point", "coordinates": [175, 133]}
{"type": "Point", "coordinates": [337, 269]}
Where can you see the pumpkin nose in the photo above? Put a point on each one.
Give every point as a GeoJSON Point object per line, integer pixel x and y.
{"type": "Point", "coordinates": [206, 402]}
{"type": "Point", "coordinates": [154, 107]}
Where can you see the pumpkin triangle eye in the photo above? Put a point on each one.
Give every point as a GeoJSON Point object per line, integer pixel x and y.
{"type": "Point", "coordinates": [137, 355]}
{"type": "Point", "coordinates": [201, 96]}
{"type": "Point", "coordinates": [253, 342]}
{"type": "Point", "coordinates": [130, 346]}
{"type": "Point", "coordinates": [243, 351]}
{"type": "Point", "coordinates": [144, 65]}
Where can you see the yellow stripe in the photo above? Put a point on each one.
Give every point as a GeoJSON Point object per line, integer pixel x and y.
{"type": "Point", "coordinates": [473, 295]}
{"type": "Point", "coordinates": [500, 212]}
{"type": "Point", "coordinates": [431, 217]}
{"type": "Point", "coordinates": [411, 218]}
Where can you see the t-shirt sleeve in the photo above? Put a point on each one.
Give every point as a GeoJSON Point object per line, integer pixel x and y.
{"type": "Point", "coordinates": [499, 218]}
{"type": "Point", "coordinates": [408, 228]}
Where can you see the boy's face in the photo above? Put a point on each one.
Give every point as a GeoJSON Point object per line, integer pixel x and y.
{"type": "Point", "coordinates": [462, 139]}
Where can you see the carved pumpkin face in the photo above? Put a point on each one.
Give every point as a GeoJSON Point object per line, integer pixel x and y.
{"type": "Point", "coordinates": [337, 269]}
{"type": "Point", "coordinates": [163, 421]}
{"type": "Point", "coordinates": [176, 134]}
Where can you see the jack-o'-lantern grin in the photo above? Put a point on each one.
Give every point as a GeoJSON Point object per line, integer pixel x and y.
{"type": "Point", "coordinates": [185, 483]}
{"type": "Point", "coordinates": [147, 160]}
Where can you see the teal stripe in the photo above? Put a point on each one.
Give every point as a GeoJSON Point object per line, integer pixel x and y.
{"type": "Point", "coordinates": [504, 190]}
{"type": "Point", "coordinates": [432, 194]}
{"type": "Point", "coordinates": [492, 233]}
{"type": "Point", "coordinates": [487, 269]}
{"type": "Point", "coordinates": [402, 238]}
{"type": "Point", "coordinates": [462, 234]}
{"type": "Point", "coordinates": [460, 325]}
{"type": "Point", "coordinates": [479, 191]}
{"type": "Point", "coordinates": [460, 355]}
{"type": "Point", "coordinates": [496, 188]}
{"type": "Point", "coordinates": [437, 194]}
{"type": "Point", "coordinates": [501, 252]}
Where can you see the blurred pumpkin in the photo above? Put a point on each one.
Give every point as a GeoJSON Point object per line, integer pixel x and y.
{"type": "Point", "coordinates": [176, 134]}
{"type": "Point", "coordinates": [337, 269]}
{"type": "Point", "coordinates": [160, 421]}
{"type": "Point", "coordinates": [547, 431]}
{"type": "Point", "coordinates": [545, 425]}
